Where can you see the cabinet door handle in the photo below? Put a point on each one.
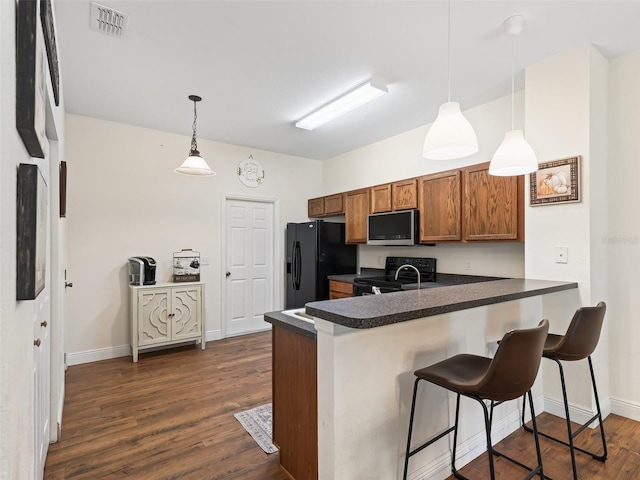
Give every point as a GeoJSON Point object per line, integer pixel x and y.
{"type": "Point", "coordinates": [44, 324]}
{"type": "Point", "coordinates": [37, 342]}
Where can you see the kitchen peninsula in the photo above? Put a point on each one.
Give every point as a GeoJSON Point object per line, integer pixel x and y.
{"type": "Point", "coordinates": [367, 350]}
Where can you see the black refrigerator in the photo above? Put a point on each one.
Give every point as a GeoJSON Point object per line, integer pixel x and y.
{"type": "Point", "coordinates": [314, 251]}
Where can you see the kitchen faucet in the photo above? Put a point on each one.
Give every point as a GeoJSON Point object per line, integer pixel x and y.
{"type": "Point", "coordinates": [411, 266]}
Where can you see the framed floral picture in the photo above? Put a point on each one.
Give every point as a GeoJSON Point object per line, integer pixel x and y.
{"type": "Point", "coordinates": [557, 181]}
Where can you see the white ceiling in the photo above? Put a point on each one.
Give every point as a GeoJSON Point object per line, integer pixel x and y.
{"type": "Point", "coordinates": [261, 65]}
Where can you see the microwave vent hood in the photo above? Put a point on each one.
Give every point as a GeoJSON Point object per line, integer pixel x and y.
{"type": "Point", "coordinates": [393, 228]}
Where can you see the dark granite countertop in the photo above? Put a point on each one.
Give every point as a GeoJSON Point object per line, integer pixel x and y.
{"type": "Point", "coordinates": [378, 310]}
{"type": "Point", "coordinates": [364, 272]}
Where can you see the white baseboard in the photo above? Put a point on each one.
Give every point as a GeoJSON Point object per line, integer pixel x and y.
{"type": "Point", "coordinates": [440, 468]}
{"type": "Point", "coordinates": [625, 409]}
{"type": "Point", "coordinates": [579, 415]}
{"type": "Point", "coordinates": [88, 356]}
{"type": "Point", "coordinates": [213, 335]}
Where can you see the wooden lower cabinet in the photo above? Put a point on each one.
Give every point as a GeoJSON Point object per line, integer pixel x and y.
{"type": "Point", "coordinates": [295, 402]}
{"type": "Point", "coordinates": [338, 289]}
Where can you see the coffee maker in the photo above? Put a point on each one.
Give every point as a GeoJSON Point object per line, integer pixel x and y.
{"type": "Point", "coordinates": [142, 271]}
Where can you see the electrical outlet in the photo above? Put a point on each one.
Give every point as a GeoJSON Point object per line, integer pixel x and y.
{"type": "Point", "coordinates": [204, 261]}
{"type": "Point", "coordinates": [381, 261]}
{"type": "Point", "coordinates": [562, 254]}
{"type": "Point", "coordinates": [467, 264]}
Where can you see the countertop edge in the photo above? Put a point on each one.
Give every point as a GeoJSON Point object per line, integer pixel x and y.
{"type": "Point", "coordinates": [290, 323]}
{"type": "Point", "coordinates": [332, 313]}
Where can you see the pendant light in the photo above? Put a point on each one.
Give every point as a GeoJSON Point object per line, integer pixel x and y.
{"type": "Point", "coordinates": [194, 165]}
{"type": "Point", "coordinates": [514, 156]}
{"type": "Point", "coordinates": [451, 135]}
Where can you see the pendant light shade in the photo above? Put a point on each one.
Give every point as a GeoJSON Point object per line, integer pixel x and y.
{"type": "Point", "coordinates": [194, 165]}
{"type": "Point", "coordinates": [451, 135]}
{"type": "Point", "coordinates": [514, 156]}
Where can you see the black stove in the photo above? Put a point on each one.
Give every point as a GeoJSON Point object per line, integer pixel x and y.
{"type": "Point", "coordinates": [406, 275]}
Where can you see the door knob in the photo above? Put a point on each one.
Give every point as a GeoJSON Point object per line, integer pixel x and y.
{"type": "Point", "coordinates": [37, 342]}
{"type": "Point", "coordinates": [68, 284]}
{"type": "Point", "coordinates": [44, 324]}
{"type": "Point", "coordinates": [228, 274]}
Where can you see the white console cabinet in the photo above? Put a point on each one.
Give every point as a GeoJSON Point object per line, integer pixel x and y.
{"type": "Point", "coordinates": [165, 314]}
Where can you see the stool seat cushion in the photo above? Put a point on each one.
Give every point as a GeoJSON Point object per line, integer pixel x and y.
{"type": "Point", "coordinates": [461, 373]}
{"type": "Point", "coordinates": [508, 375]}
{"type": "Point", "coordinates": [581, 338]}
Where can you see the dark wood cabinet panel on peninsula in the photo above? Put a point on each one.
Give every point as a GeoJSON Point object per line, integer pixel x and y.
{"type": "Point", "coordinates": [439, 201]}
{"type": "Point", "coordinates": [295, 402]}
{"type": "Point", "coordinates": [493, 206]}
{"type": "Point", "coordinates": [356, 210]}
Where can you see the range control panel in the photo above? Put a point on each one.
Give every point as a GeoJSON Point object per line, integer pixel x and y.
{"type": "Point", "coordinates": [426, 267]}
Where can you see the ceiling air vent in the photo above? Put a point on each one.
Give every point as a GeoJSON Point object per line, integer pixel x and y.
{"type": "Point", "coordinates": [107, 20]}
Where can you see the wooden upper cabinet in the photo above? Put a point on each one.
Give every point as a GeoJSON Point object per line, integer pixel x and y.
{"type": "Point", "coordinates": [404, 194]}
{"type": "Point", "coordinates": [439, 202]}
{"type": "Point", "coordinates": [334, 204]}
{"type": "Point", "coordinates": [315, 207]}
{"type": "Point", "coordinates": [325, 206]}
{"type": "Point", "coordinates": [381, 198]}
{"type": "Point", "coordinates": [493, 206]}
{"type": "Point", "coordinates": [356, 210]}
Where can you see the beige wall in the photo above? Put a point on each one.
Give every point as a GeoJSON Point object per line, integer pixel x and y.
{"type": "Point", "coordinates": [400, 157]}
{"type": "Point", "coordinates": [20, 321]}
{"type": "Point", "coordinates": [125, 200]}
{"type": "Point", "coordinates": [622, 240]}
{"type": "Point", "coordinates": [566, 112]}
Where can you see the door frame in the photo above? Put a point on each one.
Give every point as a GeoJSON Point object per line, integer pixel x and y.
{"type": "Point", "coordinates": [278, 254]}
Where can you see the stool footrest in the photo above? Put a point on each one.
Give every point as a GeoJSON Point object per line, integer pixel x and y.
{"type": "Point", "coordinates": [600, 458]}
{"type": "Point", "coordinates": [532, 471]}
{"type": "Point", "coordinates": [431, 441]}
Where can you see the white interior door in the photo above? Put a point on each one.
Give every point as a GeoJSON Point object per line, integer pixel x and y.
{"type": "Point", "coordinates": [41, 330]}
{"type": "Point", "coordinates": [250, 268]}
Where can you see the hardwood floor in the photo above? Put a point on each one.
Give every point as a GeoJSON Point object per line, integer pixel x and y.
{"type": "Point", "coordinates": [170, 416]}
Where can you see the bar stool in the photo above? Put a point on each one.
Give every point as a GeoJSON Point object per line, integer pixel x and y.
{"type": "Point", "coordinates": [578, 343]}
{"type": "Point", "coordinates": [509, 375]}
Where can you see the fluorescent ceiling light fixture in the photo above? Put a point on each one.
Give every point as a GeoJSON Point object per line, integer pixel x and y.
{"type": "Point", "coordinates": [357, 97]}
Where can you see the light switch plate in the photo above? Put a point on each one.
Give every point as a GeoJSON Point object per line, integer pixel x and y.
{"type": "Point", "coordinates": [562, 254]}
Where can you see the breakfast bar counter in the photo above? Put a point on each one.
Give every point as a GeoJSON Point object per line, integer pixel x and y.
{"type": "Point", "coordinates": [367, 349]}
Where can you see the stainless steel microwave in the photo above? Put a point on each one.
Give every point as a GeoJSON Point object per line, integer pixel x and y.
{"type": "Point", "coordinates": [393, 228]}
